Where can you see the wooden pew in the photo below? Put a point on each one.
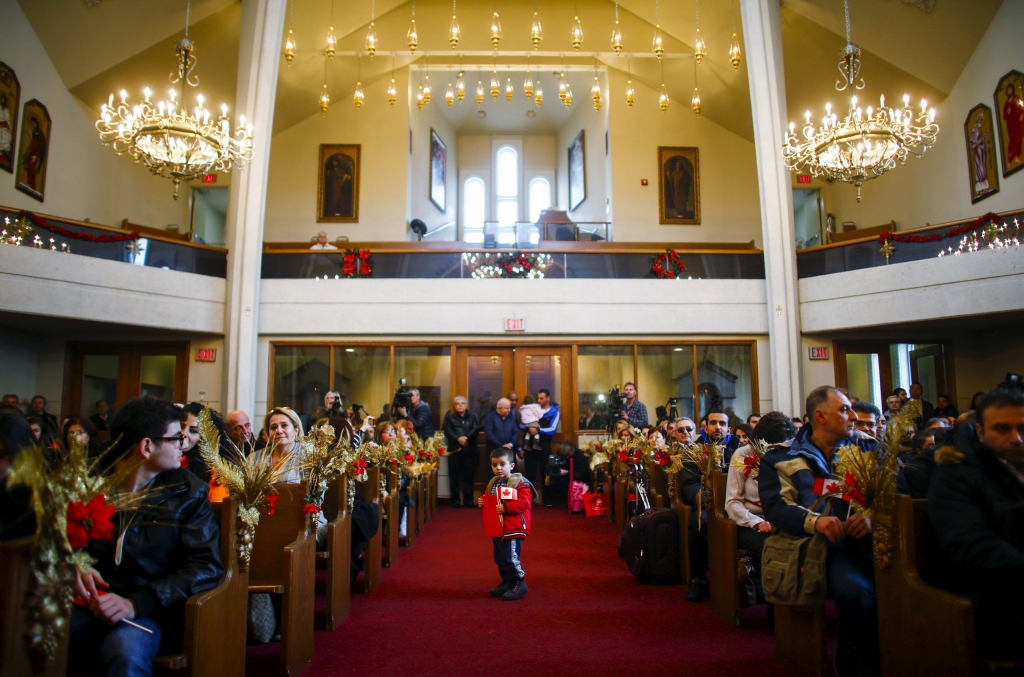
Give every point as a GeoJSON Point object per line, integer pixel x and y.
{"type": "Point", "coordinates": [338, 554]}
{"type": "Point", "coordinates": [410, 518]}
{"type": "Point", "coordinates": [658, 486]}
{"type": "Point", "coordinates": [391, 522]}
{"type": "Point", "coordinates": [372, 556]}
{"type": "Point", "coordinates": [421, 503]}
{"type": "Point", "coordinates": [432, 505]}
{"type": "Point", "coordinates": [284, 563]}
{"type": "Point", "coordinates": [800, 641]}
{"type": "Point", "coordinates": [723, 553]}
{"type": "Point", "coordinates": [682, 511]}
{"type": "Point", "coordinates": [15, 569]}
{"type": "Point", "coordinates": [608, 488]}
{"type": "Point", "coordinates": [908, 607]}
{"type": "Point", "coordinates": [621, 489]}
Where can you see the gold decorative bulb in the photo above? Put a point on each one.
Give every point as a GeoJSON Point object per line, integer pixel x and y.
{"type": "Point", "coordinates": [289, 48]}
{"type": "Point", "coordinates": [357, 96]}
{"type": "Point", "coordinates": [371, 40]}
{"type": "Point", "coordinates": [577, 33]}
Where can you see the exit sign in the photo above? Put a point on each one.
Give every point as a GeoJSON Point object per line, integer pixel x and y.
{"type": "Point", "coordinates": [206, 355]}
{"type": "Point", "coordinates": [209, 178]}
{"type": "Point", "coordinates": [803, 179]}
{"type": "Point", "coordinates": [515, 324]}
{"type": "Point", "coordinates": [818, 352]}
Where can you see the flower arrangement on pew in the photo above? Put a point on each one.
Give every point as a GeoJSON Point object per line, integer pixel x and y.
{"type": "Point", "coordinates": [598, 454]}
{"type": "Point", "coordinates": [250, 480]}
{"type": "Point", "coordinates": [74, 504]}
{"type": "Point", "coordinates": [867, 479]}
{"type": "Point", "coordinates": [707, 458]}
{"type": "Point", "coordinates": [323, 460]}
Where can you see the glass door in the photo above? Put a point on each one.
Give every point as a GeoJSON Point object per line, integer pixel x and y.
{"type": "Point", "coordinates": [865, 371]}
{"type": "Point", "coordinates": [483, 376]}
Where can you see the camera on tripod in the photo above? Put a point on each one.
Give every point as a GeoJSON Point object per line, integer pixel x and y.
{"type": "Point", "coordinates": [673, 408]}
{"type": "Point", "coordinates": [403, 399]}
{"type": "Point", "coordinates": [615, 402]}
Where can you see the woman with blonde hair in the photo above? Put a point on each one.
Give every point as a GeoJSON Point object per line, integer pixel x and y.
{"type": "Point", "coordinates": [284, 432]}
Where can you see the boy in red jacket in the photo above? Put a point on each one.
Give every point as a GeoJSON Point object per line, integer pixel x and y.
{"type": "Point", "coordinates": [515, 523]}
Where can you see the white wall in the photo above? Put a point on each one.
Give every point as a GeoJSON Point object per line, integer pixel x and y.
{"type": "Point", "coordinates": [83, 178]}
{"type": "Point", "coordinates": [421, 121]}
{"type": "Point", "coordinates": [597, 205]}
{"type": "Point", "coordinates": [729, 198]}
{"type": "Point", "coordinates": [935, 188]}
{"type": "Point", "coordinates": [383, 133]}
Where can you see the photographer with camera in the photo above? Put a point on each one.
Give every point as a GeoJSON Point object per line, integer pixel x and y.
{"type": "Point", "coordinates": [633, 410]}
{"type": "Point", "coordinates": [332, 406]}
{"type": "Point", "coordinates": [408, 405]}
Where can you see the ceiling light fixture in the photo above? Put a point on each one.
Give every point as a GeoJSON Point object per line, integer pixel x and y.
{"type": "Point", "coordinates": [595, 91]}
{"type": "Point", "coordinates": [734, 46]}
{"type": "Point", "coordinates": [663, 98]}
{"type": "Point", "coordinates": [412, 39]}
{"type": "Point", "coordinates": [449, 95]}
{"type": "Point", "coordinates": [289, 43]}
{"type": "Point", "coordinates": [453, 30]}
{"type": "Point", "coordinates": [616, 33]}
{"type": "Point", "coordinates": [860, 147]}
{"type": "Point", "coordinates": [460, 83]}
{"type": "Point", "coordinates": [538, 94]}
{"type": "Point", "coordinates": [426, 86]}
{"type": "Point", "coordinates": [325, 99]}
{"type": "Point", "coordinates": [357, 96]}
{"type": "Point", "coordinates": [630, 98]}
{"type": "Point", "coordinates": [695, 99]}
{"type": "Point", "coordinates": [495, 30]}
{"type": "Point", "coordinates": [371, 33]}
{"type": "Point", "coordinates": [699, 49]}
{"type": "Point", "coordinates": [169, 140]}
{"type": "Point", "coordinates": [392, 91]}
{"type": "Point", "coordinates": [528, 82]}
{"type": "Point", "coordinates": [658, 44]}
{"type": "Point", "coordinates": [479, 92]}
{"type": "Point", "coordinates": [495, 87]}
{"type": "Point", "coordinates": [536, 31]}
{"type": "Point", "coordinates": [577, 29]}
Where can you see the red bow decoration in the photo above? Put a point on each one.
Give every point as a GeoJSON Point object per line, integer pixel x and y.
{"type": "Point", "coordinates": [272, 500]}
{"type": "Point", "coordinates": [311, 508]}
{"type": "Point", "coordinates": [662, 458]}
{"type": "Point", "coordinates": [90, 522]}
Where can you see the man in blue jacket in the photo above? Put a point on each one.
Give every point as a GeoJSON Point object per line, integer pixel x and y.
{"type": "Point", "coordinates": [500, 427]}
{"type": "Point", "coordinates": [791, 483]}
{"type": "Point", "coordinates": [547, 426]}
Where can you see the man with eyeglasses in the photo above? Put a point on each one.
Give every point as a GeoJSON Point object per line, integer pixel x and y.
{"type": "Point", "coordinates": [162, 552]}
{"type": "Point", "coordinates": [684, 431]}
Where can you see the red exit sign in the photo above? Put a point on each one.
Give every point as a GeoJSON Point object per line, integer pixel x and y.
{"type": "Point", "coordinates": [803, 179]}
{"type": "Point", "coordinates": [206, 355]}
{"type": "Point", "coordinates": [209, 178]}
{"type": "Point", "coordinates": [515, 324]}
{"type": "Point", "coordinates": [818, 352]}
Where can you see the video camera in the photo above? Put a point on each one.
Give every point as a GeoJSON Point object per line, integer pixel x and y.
{"type": "Point", "coordinates": [403, 398]}
{"type": "Point", "coordinates": [615, 401]}
{"type": "Point", "coordinates": [673, 408]}
{"type": "Point", "coordinates": [1012, 382]}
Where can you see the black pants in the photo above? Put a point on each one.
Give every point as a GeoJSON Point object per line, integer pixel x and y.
{"type": "Point", "coordinates": [753, 540]}
{"type": "Point", "coordinates": [461, 470]}
{"type": "Point", "coordinates": [536, 463]}
{"type": "Point", "coordinates": [559, 491]}
{"type": "Point", "coordinates": [698, 544]}
{"type": "Point", "coordinates": [507, 555]}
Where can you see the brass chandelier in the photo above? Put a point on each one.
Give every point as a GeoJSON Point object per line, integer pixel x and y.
{"type": "Point", "coordinates": [865, 144]}
{"type": "Point", "coordinates": [171, 141]}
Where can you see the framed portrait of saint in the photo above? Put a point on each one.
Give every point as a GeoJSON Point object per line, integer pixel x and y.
{"type": "Point", "coordinates": [338, 191]}
{"type": "Point", "coordinates": [1009, 115]}
{"type": "Point", "coordinates": [438, 161]}
{"type": "Point", "coordinates": [982, 166]}
{"type": "Point", "coordinates": [679, 185]}
{"type": "Point", "coordinates": [577, 171]}
{"type": "Point", "coordinates": [10, 95]}
{"type": "Point", "coordinates": [33, 150]}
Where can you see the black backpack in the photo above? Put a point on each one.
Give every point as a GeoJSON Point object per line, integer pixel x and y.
{"type": "Point", "coordinates": [650, 544]}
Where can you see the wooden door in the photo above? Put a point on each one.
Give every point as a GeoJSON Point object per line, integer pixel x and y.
{"type": "Point", "coordinates": [864, 369]}
{"type": "Point", "coordinates": [483, 376]}
{"type": "Point", "coordinates": [931, 365]}
{"type": "Point", "coordinates": [550, 369]}
{"type": "Point", "coordinates": [116, 373]}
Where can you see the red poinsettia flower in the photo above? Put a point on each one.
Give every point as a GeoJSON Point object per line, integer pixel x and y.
{"type": "Point", "coordinates": [637, 455]}
{"type": "Point", "coordinates": [853, 489]}
{"type": "Point", "coordinates": [311, 508]}
{"type": "Point", "coordinates": [673, 255]}
{"type": "Point", "coordinates": [662, 458]}
{"type": "Point", "coordinates": [440, 452]}
{"type": "Point", "coordinates": [364, 254]}
{"type": "Point", "coordinates": [392, 462]}
{"type": "Point", "coordinates": [422, 453]}
{"type": "Point", "coordinates": [430, 456]}
{"type": "Point", "coordinates": [348, 257]}
{"type": "Point", "coordinates": [597, 447]}
{"type": "Point", "coordinates": [365, 269]}
{"type": "Point", "coordinates": [272, 500]}
{"type": "Point", "coordinates": [749, 463]}
{"type": "Point", "coordinates": [360, 465]}
{"type": "Point", "coordinates": [671, 274]}
{"type": "Point", "coordinates": [349, 269]}
{"type": "Point", "coordinates": [184, 461]}
{"type": "Point", "coordinates": [409, 458]}
{"type": "Point", "coordinates": [90, 522]}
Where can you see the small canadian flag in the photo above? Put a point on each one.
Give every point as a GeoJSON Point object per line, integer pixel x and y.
{"type": "Point", "coordinates": [507, 494]}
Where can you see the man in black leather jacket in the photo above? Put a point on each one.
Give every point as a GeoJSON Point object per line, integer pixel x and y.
{"type": "Point", "coordinates": [461, 429]}
{"type": "Point", "coordinates": [162, 553]}
{"type": "Point", "coordinates": [976, 508]}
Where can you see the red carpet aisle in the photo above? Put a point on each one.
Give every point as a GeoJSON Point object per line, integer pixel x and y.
{"type": "Point", "coordinates": [584, 615]}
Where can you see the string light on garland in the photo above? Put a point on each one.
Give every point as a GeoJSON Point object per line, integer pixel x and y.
{"type": "Point", "coordinates": [734, 46]}
{"type": "Point", "coordinates": [658, 44]}
{"type": "Point", "coordinates": [536, 30]}
{"type": "Point", "coordinates": [289, 43]}
{"type": "Point", "coordinates": [411, 37]}
{"type": "Point", "coordinates": [630, 98]}
{"type": "Point", "coordinates": [616, 32]}
{"type": "Point", "coordinates": [460, 83]}
{"type": "Point", "coordinates": [495, 30]}
{"type": "Point", "coordinates": [371, 33]}
{"type": "Point", "coordinates": [453, 29]}
{"type": "Point", "coordinates": [992, 237]}
{"type": "Point", "coordinates": [357, 96]}
{"type": "Point", "coordinates": [577, 29]}
{"type": "Point", "coordinates": [515, 264]}
{"type": "Point", "coordinates": [699, 49]}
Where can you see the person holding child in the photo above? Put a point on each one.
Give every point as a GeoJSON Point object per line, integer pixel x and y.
{"type": "Point", "coordinates": [515, 514]}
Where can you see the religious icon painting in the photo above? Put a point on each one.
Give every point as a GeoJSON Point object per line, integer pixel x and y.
{"type": "Point", "coordinates": [10, 93]}
{"type": "Point", "coordinates": [679, 185]}
{"type": "Point", "coordinates": [33, 150]}
{"type": "Point", "coordinates": [338, 193]}
{"type": "Point", "coordinates": [1009, 98]}
{"type": "Point", "coordinates": [982, 166]}
{"type": "Point", "coordinates": [577, 171]}
{"type": "Point", "coordinates": [438, 159]}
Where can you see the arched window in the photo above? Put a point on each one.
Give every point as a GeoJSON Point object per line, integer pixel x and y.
{"type": "Point", "coordinates": [474, 209]}
{"type": "Point", "coordinates": [540, 197]}
{"type": "Point", "coordinates": [506, 210]}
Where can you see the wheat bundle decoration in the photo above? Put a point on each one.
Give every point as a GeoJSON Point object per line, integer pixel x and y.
{"type": "Point", "coordinates": [322, 462]}
{"type": "Point", "coordinates": [598, 454]}
{"type": "Point", "coordinates": [867, 479]}
{"type": "Point", "coordinates": [250, 479]}
{"type": "Point", "coordinates": [707, 458]}
{"type": "Point", "coordinates": [74, 504]}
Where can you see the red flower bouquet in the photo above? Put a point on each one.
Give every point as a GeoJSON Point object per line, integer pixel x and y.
{"type": "Point", "coordinates": [89, 522]}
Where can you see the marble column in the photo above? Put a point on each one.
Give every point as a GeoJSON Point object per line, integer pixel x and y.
{"type": "Point", "coordinates": [259, 55]}
{"type": "Point", "coordinates": [762, 36]}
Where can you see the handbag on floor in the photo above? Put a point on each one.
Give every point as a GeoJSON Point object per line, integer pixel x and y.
{"type": "Point", "coordinates": [577, 490]}
{"type": "Point", "coordinates": [595, 505]}
{"type": "Point", "coordinates": [262, 621]}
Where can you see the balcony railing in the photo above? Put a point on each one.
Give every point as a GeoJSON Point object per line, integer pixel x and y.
{"type": "Point", "coordinates": [569, 260]}
{"type": "Point", "coordinates": [867, 252]}
{"type": "Point", "coordinates": [153, 248]}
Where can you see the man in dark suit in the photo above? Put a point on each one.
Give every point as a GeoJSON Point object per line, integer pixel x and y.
{"type": "Point", "coordinates": [99, 419]}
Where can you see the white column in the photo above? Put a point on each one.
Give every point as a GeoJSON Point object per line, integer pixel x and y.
{"type": "Point", "coordinates": [762, 35]}
{"type": "Point", "coordinates": [259, 54]}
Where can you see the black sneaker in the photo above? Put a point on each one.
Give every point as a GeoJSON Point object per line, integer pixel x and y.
{"type": "Point", "coordinates": [517, 590]}
{"type": "Point", "coordinates": [697, 590]}
{"type": "Point", "coordinates": [501, 589]}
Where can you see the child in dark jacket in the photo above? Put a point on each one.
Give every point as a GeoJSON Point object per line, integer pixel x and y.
{"type": "Point", "coordinates": [515, 514]}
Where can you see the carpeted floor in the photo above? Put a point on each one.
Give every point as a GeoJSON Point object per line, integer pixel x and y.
{"type": "Point", "coordinates": [584, 615]}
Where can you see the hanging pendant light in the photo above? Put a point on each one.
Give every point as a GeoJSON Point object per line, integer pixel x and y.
{"type": "Point", "coordinates": [412, 39]}
{"type": "Point", "coordinates": [325, 99]}
{"type": "Point", "coordinates": [357, 96]}
{"type": "Point", "coordinates": [616, 32]}
{"type": "Point", "coordinates": [734, 46]}
{"type": "Point", "coordinates": [460, 83]}
{"type": "Point", "coordinates": [509, 91]}
{"type": "Point", "coordinates": [577, 29]}
{"type": "Point", "coordinates": [371, 33]}
{"type": "Point", "coordinates": [289, 43]}
{"type": "Point", "coordinates": [568, 96]}
{"type": "Point", "coordinates": [453, 30]}
{"type": "Point", "coordinates": [495, 87]}
{"type": "Point", "coordinates": [495, 30]}
{"type": "Point", "coordinates": [449, 94]}
{"type": "Point", "coordinates": [658, 44]}
{"type": "Point", "coordinates": [538, 95]}
{"type": "Point", "coordinates": [536, 31]}
{"type": "Point", "coordinates": [419, 98]}
{"type": "Point", "coordinates": [392, 91]}
{"type": "Point", "coordinates": [630, 98]}
{"type": "Point", "coordinates": [528, 82]}
{"type": "Point", "coordinates": [332, 43]}
{"type": "Point", "coordinates": [595, 90]}
{"type": "Point", "coordinates": [426, 89]}
{"type": "Point", "coordinates": [695, 99]}
{"type": "Point", "coordinates": [479, 93]}
{"type": "Point", "coordinates": [663, 99]}
{"type": "Point", "coordinates": [699, 50]}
